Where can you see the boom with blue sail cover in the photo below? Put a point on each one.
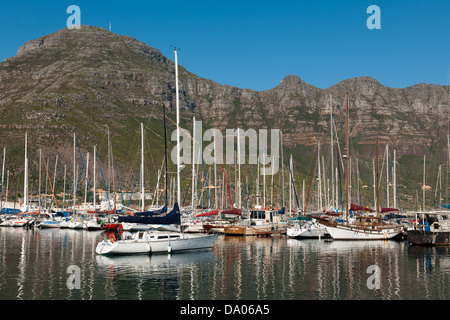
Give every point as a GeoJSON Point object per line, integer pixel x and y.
{"type": "Point", "coordinates": [173, 217]}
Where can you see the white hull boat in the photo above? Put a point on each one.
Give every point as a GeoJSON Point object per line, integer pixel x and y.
{"type": "Point", "coordinates": [93, 225]}
{"type": "Point", "coordinates": [139, 227]}
{"type": "Point", "coordinates": [64, 224]}
{"type": "Point", "coordinates": [18, 222]}
{"type": "Point", "coordinates": [76, 224]}
{"type": "Point", "coordinates": [306, 230]}
{"type": "Point", "coordinates": [49, 224]}
{"type": "Point", "coordinates": [156, 242]}
{"type": "Point", "coordinates": [353, 233]}
{"type": "Point", "coordinates": [365, 228]}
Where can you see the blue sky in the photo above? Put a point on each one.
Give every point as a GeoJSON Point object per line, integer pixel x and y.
{"type": "Point", "coordinates": [254, 44]}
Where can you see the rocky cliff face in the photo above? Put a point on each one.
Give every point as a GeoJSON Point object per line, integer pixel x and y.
{"type": "Point", "coordinates": [86, 80]}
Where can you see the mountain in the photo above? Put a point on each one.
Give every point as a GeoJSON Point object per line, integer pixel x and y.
{"type": "Point", "coordinates": [88, 81]}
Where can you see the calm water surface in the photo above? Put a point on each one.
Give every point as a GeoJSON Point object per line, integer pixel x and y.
{"type": "Point", "coordinates": [34, 265]}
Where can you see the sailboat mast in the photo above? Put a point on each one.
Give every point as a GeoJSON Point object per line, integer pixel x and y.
{"type": "Point", "coordinates": [377, 185]}
{"type": "Point", "coordinates": [94, 177]}
{"type": "Point", "coordinates": [74, 173]}
{"type": "Point", "coordinates": [178, 127]}
{"type": "Point", "coordinates": [25, 183]}
{"type": "Point", "coordinates": [215, 171]}
{"type": "Point", "coordinates": [165, 158]}
{"type": "Point", "coordinates": [264, 180]}
{"type": "Point", "coordinates": [348, 162]}
{"type": "Point", "coordinates": [332, 156]}
{"type": "Point", "coordinates": [394, 179]}
{"type": "Point", "coordinates": [193, 162]}
{"type": "Point", "coordinates": [239, 168]}
{"type": "Point", "coordinates": [257, 186]}
{"type": "Point", "coordinates": [142, 168]}
{"type": "Point", "coordinates": [3, 176]}
{"type": "Point", "coordinates": [387, 176]}
{"type": "Point", "coordinates": [282, 170]}
{"type": "Point", "coordinates": [423, 185]}
{"type": "Point", "coordinates": [319, 204]}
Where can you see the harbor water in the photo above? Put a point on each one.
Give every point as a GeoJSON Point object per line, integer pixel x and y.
{"type": "Point", "coordinates": [61, 264]}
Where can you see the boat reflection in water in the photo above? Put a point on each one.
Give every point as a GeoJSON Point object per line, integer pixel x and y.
{"type": "Point", "coordinates": [236, 268]}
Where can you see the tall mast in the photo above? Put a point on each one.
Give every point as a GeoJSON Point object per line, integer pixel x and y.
{"type": "Point", "coordinates": [423, 186]}
{"type": "Point", "coordinates": [165, 158]}
{"type": "Point", "coordinates": [257, 185]}
{"type": "Point", "coordinates": [239, 167]}
{"type": "Point", "coordinates": [215, 171]}
{"type": "Point", "coordinates": [142, 168]}
{"type": "Point", "coordinates": [74, 173]}
{"type": "Point", "coordinates": [25, 183]}
{"type": "Point", "coordinates": [94, 176]}
{"type": "Point", "coordinates": [377, 185]}
{"type": "Point", "coordinates": [319, 204]}
{"type": "Point", "coordinates": [178, 127]}
{"type": "Point", "coordinates": [193, 162]}
{"type": "Point", "coordinates": [3, 176]}
{"type": "Point", "coordinates": [40, 169]}
{"type": "Point", "coordinates": [374, 184]}
{"type": "Point", "coordinates": [348, 157]}
{"type": "Point", "coordinates": [387, 175]}
{"type": "Point", "coordinates": [264, 179]}
{"type": "Point", "coordinates": [109, 165]}
{"type": "Point", "coordinates": [332, 156]}
{"type": "Point", "coordinates": [394, 179]}
{"type": "Point", "coordinates": [282, 170]}
{"type": "Point", "coordinates": [291, 186]}
{"type": "Point", "coordinates": [87, 178]}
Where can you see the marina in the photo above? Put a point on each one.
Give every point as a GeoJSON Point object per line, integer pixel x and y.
{"type": "Point", "coordinates": [127, 176]}
{"type": "Point", "coordinates": [35, 266]}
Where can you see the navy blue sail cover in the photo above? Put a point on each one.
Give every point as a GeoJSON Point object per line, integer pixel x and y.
{"type": "Point", "coordinates": [173, 217]}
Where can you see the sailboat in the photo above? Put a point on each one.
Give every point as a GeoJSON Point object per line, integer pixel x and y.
{"type": "Point", "coordinates": [434, 230]}
{"type": "Point", "coordinates": [364, 227]}
{"type": "Point", "coordinates": [151, 241]}
{"type": "Point", "coordinates": [304, 227]}
{"type": "Point", "coordinates": [157, 241]}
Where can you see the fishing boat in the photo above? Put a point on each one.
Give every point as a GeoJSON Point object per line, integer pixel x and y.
{"type": "Point", "coordinates": [433, 231]}
{"type": "Point", "coordinates": [156, 241]}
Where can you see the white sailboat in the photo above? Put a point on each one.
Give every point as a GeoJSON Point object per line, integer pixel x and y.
{"type": "Point", "coordinates": [154, 241]}
{"type": "Point", "coordinates": [306, 230]}
{"type": "Point", "coordinates": [20, 220]}
{"type": "Point", "coordinates": [364, 227]}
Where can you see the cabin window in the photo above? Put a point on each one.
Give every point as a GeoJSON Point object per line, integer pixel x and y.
{"type": "Point", "coordinates": [258, 214]}
{"type": "Point", "coordinates": [174, 237]}
{"type": "Point", "coordinates": [163, 237]}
